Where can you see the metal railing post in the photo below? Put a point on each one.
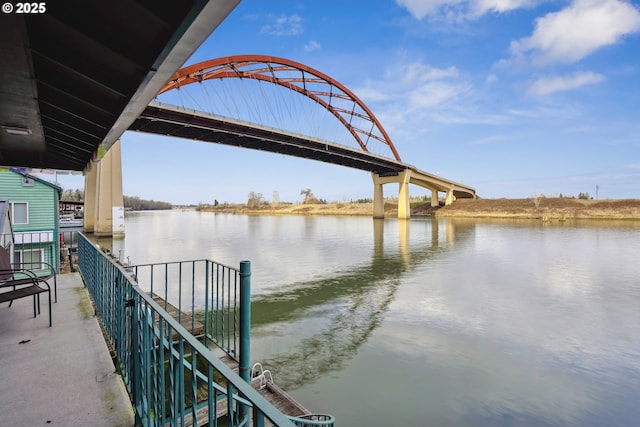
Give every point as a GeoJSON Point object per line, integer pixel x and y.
{"type": "Point", "coordinates": [245, 320]}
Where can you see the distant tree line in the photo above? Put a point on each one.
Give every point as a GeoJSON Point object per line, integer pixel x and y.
{"type": "Point", "coordinates": [137, 204]}
{"type": "Point", "coordinates": [256, 199]}
{"type": "Point", "coordinates": [581, 196]}
{"type": "Point", "coordinates": [76, 195]}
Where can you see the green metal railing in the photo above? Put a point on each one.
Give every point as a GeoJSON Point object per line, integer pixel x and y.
{"type": "Point", "coordinates": [172, 378]}
{"type": "Point", "coordinates": [205, 293]}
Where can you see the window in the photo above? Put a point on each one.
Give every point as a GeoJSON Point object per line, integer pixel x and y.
{"type": "Point", "coordinates": [30, 259]}
{"type": "Point", "coordinates": [20, 212]}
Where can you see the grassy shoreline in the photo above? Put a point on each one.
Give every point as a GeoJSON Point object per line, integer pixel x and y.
{"type": "Point", "coordinates": [544, 208]}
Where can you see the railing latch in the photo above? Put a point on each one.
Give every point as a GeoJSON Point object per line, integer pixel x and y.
{"type": "Point", "coordinates": [130, 303]}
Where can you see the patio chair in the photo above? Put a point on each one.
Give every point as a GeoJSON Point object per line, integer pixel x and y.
{"type": "Point", "coordinates": [45, 271]}
{"type": "Point", "coordinates": [21, 283]}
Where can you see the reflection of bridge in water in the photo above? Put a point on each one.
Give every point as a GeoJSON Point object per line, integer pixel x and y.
{"type": "Point", "coordinates": [353, 304]}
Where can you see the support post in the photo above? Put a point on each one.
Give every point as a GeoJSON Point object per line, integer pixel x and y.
{"type": "Point", "coordinates": [109, 211]}
{"type": "Point", "coordinates": [102, 221]}
{"type": "Point", "coordinates": [404, 201]}
{"type": "Point", "coordinates": [434, 198]}
{"type": "Point", "coordinates": [117, 194]}
{"type": "Point", "coordinates": [450, 197]}
{"type": "Point", "coordinates": [378, 198]}
{"type": "Point", "coordinates": [90, 188]}
{"type": "Point", "coordinates": [245, 321]}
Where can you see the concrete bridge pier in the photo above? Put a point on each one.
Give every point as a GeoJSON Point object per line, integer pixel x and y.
{"type": "Point", "coordinates": [411, 176]}
{"type": "Point", "coordinates": [378, 197]}
{"type": "Point", "coordinates": [434, 198]}
{"type": "Point", "coordinates": [404, 207]}
{"type": "Point", "coordinates": [450, 197]}
{"type": "Point", "coordinates": [89, 220]}
{"type": "Point", "coordinates": [104, 201]}
{"type": "Point", "coordinates": [404, 200]}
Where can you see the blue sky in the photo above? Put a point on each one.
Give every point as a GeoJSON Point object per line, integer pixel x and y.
{"type": "Point", "coordinates": [512, 97]}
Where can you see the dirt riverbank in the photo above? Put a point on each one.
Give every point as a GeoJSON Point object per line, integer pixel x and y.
{"type": "Point", "coordinates": [545, 208]}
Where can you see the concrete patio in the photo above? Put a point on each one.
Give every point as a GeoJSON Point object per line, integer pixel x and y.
{"type": "Point", "coordinates": [61, 375]}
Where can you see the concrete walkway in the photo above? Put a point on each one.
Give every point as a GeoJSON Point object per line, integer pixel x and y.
{"type": "Point", "coordinates": [59, 376]}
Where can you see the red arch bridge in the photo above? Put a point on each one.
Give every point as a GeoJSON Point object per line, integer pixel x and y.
{"type": "Point", "coordinates": [341, 103]}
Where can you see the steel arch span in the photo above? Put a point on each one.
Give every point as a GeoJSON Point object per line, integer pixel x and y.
{"type": "Point", "coordinates": [297, 77]}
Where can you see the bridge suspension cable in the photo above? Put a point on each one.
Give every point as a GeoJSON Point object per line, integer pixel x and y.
{"type": "Point", "coordinates": [298, 79]}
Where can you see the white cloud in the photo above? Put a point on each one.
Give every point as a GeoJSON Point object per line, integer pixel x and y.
{"type": "Point", "coordinates": [456, 10]}
{"type": "Point", "coordinates": [548, 85]}
{"type": "Point", "coordinates": [548, 111]}
{"type": "Point", "coordinates": [417, 72]}
{"type": "Point", "coordinates": [372, 93]}
{"type": "Point", "coordinates": [417, 93]}
{"type": "Point", "coordinates": [571, 34]}
{"type": "Point", "coordinates": [418, 85]}
{"type": "Point", "coordinates": [421, 8]}
{"type": "Point", "coordinates": [283, 25]}
{"type": "Point", "coordinates": [311, 46]}
{"type": "Point", "coordinates": [433, 94]}
{"type": "Point", "coordinates": [501, 6]}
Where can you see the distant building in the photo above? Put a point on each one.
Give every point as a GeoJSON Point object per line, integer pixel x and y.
{"type": "Point", "coordinates": [32, 205]}
{"type": "Point", "coordinates": [71, 214]}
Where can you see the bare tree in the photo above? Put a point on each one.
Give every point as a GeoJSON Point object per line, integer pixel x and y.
{"type": "Point", "coordinates": [309, 197]}
{"type": "Point", "coordinates": [536, 200]}
{"type": "Point", "coordinates": [255, 199]}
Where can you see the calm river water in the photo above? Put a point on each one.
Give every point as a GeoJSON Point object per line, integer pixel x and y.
{"type": "Point", "coordinates": [431, 322]}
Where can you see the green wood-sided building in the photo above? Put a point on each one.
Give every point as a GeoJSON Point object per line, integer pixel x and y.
{"type": "Point", "coordinates": [34, 212]}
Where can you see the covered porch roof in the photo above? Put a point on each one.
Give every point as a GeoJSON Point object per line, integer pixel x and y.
{"type": "Point", "coordinates": [75, 75]}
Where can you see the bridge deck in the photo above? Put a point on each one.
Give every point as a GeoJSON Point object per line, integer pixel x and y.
{"type": "Point", "coordinates": [174, 121]}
